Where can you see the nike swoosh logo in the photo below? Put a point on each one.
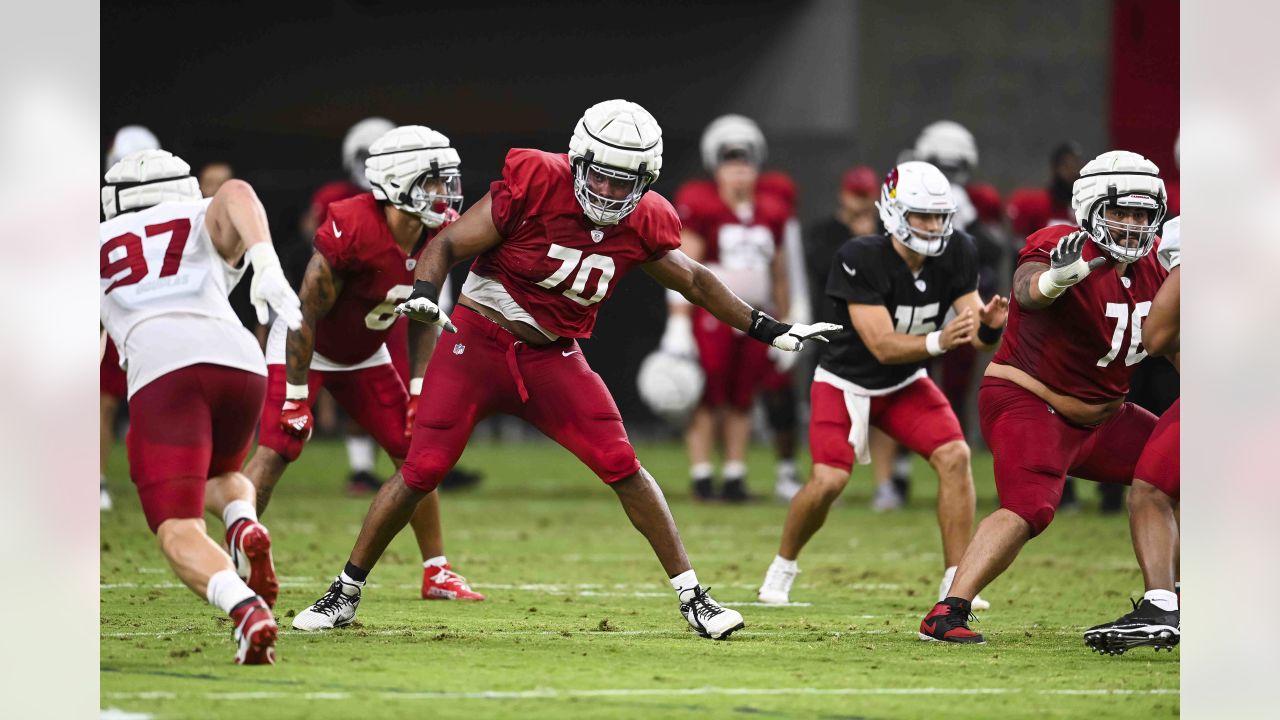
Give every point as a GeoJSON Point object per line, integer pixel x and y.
{"type": "Point", "coordinates": [929, 628]}
{"type": "Point", "coordinates": [336, 231]}
{"type": "Point", "coordinates": [849, 270]}
{"type": "Point", "coordinates": [567, 354]}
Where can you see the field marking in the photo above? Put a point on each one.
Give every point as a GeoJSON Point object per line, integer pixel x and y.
{"type": "Point", "coordinates": [585, 589]}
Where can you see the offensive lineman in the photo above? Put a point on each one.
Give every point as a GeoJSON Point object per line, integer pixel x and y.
{"type": "Point", "coordinates": [1052, 401]}
{"type": "Point", "coordinates": [552, 237]}
{"type": "Point", "coordinates": [365, 252]}
{"type": "Point", "coordinates": [895, 288]}
{"type": "Point", "coordinates": [195, 376]}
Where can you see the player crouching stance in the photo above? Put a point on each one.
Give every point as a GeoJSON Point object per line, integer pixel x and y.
{"type": "Point", "coordinates": [895, 289]}
{"type": "Point", "coordinates": [551, 240]}
{"type": "Point", "coordinates": [195, 375]}
{"type": "Point", "coordinates": [365, 252]}
{"type": "Point", "coordinates": [1052, 399]}
{"type": "Point", "coordinates": [1153, 499]}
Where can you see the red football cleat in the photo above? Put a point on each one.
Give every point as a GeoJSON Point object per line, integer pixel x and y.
{"type": "Point", "coordinates": [948, 621]}
{"type": "Point", "coordinates": [249, 544]}
{"type": "Point", "coordinates": [255, 633]}
{"type": "Point", "coordinates": [440, 582]}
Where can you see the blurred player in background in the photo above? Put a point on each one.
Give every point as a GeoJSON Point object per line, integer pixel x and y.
{"type": "Point", "coordinates": [111, 380]}
{"type": "Point", "coordinates": [212, 176]}
{"type": "Point", "coordinates": [1053, 398]}
{"type": "Point", "coordinates": [736, 228]}
{"type": "Point", "coordinates": [895, 288]}
{"type": "Point", "coordinates": [551, 239]}
{"type": "Point", "coordinates": [365, 253]}
{"type": "Point", "coordinates": [1153, 500]}
{"type": "Point", "coordinates": [195, 376]}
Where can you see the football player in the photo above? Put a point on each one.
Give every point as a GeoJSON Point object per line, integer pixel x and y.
{"type": "Point", "coordinates": [737, 230]}
{"type": "Point", "coordinates": [1052, 401]}
{"type": "Point", "coordinates": [1153, 500]}
{"type": "Point", "coordinates": [551, 239]}
{"type": "Point", "coordinates": [195, 375]}
{"type": "Point", "coordinates": [895, 289]}
{"type": "Point", "coordinates": [365, 253]}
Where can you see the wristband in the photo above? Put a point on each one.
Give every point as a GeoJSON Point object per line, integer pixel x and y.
{"type": "Point", "coordinates": [989, 335]}
{"type": "Point", "coordinates": [933, 343]}
{"type": "Point", "coordinates": [296, 392]}
{"type": "Point", "coordinates": [766, 329]}
{"type": "Point", "coordinates": [426, 289]}
{"type": "Point", "coordinates": [1047, 287]}
{"type": "Point", "coordinates": [415, 386]}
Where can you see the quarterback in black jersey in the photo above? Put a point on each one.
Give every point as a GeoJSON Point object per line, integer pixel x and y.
{"type": "Point", "coordinates": [896, 289]}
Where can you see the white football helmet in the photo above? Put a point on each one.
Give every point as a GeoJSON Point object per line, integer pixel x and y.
{"type": "Point", "coordinates": [145, 178]}
{"type": "Point", "coordinates": [413, 168]}
{"type": "Point", "coordinates": [729, 134]}
{"type": "Point", "coordinates": [671, 385]}
{"type": "Point", "coordinates": [128, 140]}
{"type": "Point", "coordinates": [616, 145]}
{"type": "Point", "coordinates": [950, 147]}
{"type": "Point", "coordinates": [1119, 178]}
{"type": "Point", "coordinates": [355, 146]}
{"type": "Point", "coordinates": [917, 187]}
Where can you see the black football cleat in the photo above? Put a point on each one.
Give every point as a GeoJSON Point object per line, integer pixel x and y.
{"type": "Point", "coordinates": [703, 490]}
{"type": "Point", "coordinates": [362, 483]}
{"type": "Point", "coordinates": [735, 491]}
{"type": "Point", "coordinates": [1147, 624]}
{"type": "Point", "coordinates": [948, 621]}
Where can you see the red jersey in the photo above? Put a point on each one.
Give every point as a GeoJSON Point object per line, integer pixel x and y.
{"type": "Point", "coordinates": [376, 276]}
{"type": "Point", "coordinates": [1088, 341]}
{"type": "Point", "coordinates": [738, 249]}
{"type": "Point", "coordinates": [781, 186]}
{"type": "Point", "coordinates": [555, 263]}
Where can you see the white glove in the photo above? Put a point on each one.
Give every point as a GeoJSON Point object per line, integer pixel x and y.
{"type": "Point", "coordinates": [269, 287]}
{"type": "Point", "coordinates": [1066, 266]}
{"type": "Point", "coordinates": [794, 338]}
{"type": "Point", "coordinates": [1170, 252]}
{"type": "Point", "coordinates": [677, 339]}
{"type": "Point", "coordinates": [425, 311]}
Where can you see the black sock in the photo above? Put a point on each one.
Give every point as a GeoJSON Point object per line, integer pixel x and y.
{"type": "Point", "coordinates": [958, 602]}
{"type": "Point", "coordinates": [355, 573]}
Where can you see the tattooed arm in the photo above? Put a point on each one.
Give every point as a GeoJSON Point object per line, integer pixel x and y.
{"type": "Point", "coordinates": [1026, 289]}
{"type": "Point", "coordinates": [320, 288]}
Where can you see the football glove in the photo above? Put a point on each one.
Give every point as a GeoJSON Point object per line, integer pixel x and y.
{"type": "Point", "coordinates": [788, 337]}
{"type": "Point", "coordinates": [1066, 266]}
{"type": "Point", "coordinates": [270, 288]}
{"type": "Point", "coordinates": [296, 419]}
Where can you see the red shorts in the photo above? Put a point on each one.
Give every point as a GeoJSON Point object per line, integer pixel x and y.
{"type": "Point", "coordinates": [1160, 463]}
{"type": "Point", "coordinates": [1034, 449]}
{"type": "Point", "coordinates": [374, 397]}
{"type": "Point", "coordinates": [917, 416]}
{"type": "Point", "coordinates": [111, 378]}
{"type": "Point", "coordinates": [185, 427]}
{"type": "Point", "coordinates": [483, 369]}
{"type": "Point", "coordinates": [735, 365]}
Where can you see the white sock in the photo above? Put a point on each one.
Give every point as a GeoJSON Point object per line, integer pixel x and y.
{"type": "Point", "coordinates": [348, 580]}
{"type": "Point", "coordinates": [701, 470]}
{"type": "Point", "coordinates": [437, 561]}
{"type": "Point", "coordinates": [782, 563]}
{"type": "Point", "coordinates": [786, 468]}
{"type": "Point", "coordinates": [360, 453]}
{"type": "Point", "coordinates": [238, 510]}
{"type": "Point", "coordinates": [734, 469]}
{"type": "Point", "coordinates": [685, 584]}
{"type": "Point", "coordinates": [1164, 599]}
{"type": "Point", "coordinates": [226, 590]}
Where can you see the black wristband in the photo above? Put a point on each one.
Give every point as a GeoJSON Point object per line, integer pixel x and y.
{"type": "Point", "coordinates": [426, 289]}
{"type": "Point", "coordinates": [989, 335]}
{"type": "Point", "coordinates": [764, 328]}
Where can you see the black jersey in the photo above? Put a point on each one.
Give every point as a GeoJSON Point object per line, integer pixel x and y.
{"type": "Point", "coordinates": [868, 271]}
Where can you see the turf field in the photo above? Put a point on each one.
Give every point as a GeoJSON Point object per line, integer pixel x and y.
{"type": "Point", "coordinates": [581, 623]}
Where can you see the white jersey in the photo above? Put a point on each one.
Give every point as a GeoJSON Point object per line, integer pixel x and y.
{"type": "Point", "coordinates": [164, 294]}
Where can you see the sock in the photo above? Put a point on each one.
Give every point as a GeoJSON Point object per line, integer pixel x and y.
{"type": "Point", "coordinates": [685, 584]}
{"type": "Point", "coordinates": [354, 575]}
{"type": "Point", "coordinates": [958, 602]}
{"type": "Point", "coordinates": [786, 469]}
{"type": "Point", "coordinates": [735, 470]}
{"type": "Point", "coordinates": [226, 590]}
{"type": "Point", "coordinates": [237, 510]}
{"type": "Point", "coordinates": [1163, 599]}
{"type": "Point", "coordinates": [701, 471]}
{"type": "Point", "coordinates": [437, 561]}
{"type": "Point", "coordinates": [360, 453]}
{"type": "Point", "coordinates": [782, 563]}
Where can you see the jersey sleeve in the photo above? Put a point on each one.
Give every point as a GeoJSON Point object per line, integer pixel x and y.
{"type": "Point", "coordinates": [663, 235]}
{"type": "Point", "coordinates": [853, 276]}
{"type": "Point", "coordinates": [337, 251]}
{"type": "Point", "coordinates": [523, 183]}
{"type": "Point", "coordinates": [965, 274]}
{"type": "Point", "coordinates": [1041, 243]}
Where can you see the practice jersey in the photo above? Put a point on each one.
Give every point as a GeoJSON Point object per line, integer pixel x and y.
{"type": "Point", "coordinates": [376, 276]}
{"type": "Point", "coordinates": [1088, 341]}
{"type": "Point", "coordinates": [554, 263]}
{"type": "Point", "coordinates": [164, 294]}
{"type": "Point", "coordinates": [739, 244]}
{"type": "Point", "coordinates": [868, 271]}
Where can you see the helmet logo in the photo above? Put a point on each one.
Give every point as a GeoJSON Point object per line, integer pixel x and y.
{"type": "Point", "coordinates": [891, 182]}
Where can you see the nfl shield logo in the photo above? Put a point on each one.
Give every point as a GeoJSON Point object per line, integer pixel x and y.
{"type": "Point", "coordinates": [597, 235]}
{"type": "Point", "coordinates": [920, 285]}
{"type": "Point", "coordinates": [459, 349]}
{"type": "Point", "coordinates": [410, 264]}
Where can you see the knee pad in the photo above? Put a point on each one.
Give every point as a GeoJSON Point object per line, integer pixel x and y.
{"type": "Point", "coordinates": [614, 462]}
{"type": "Point", "coordinates": [424, 473]}
{"type": "Point", "coordinates": [1037, 515]}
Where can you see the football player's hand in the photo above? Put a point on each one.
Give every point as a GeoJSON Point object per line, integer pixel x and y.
{"type": "Point", "coordinates": [425, 311]}
{"type": "Point", "coordinates": [677, 339]}
{"type": "Point", "coordinates": [995, 313]}
{"type": "Point", "coordinates": [270, 288]}
{"type": "Point", "coordinates": [959, 331]}
{"type": "Point", "coordinates": [296, 419]}
{"type": "Point", "coordinates": [794, 337]}
{"type": "Point", "coordinates": [1066, 266]}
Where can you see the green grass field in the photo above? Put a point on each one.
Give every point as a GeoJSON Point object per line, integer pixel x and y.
{"type": "Point", "coordinates": [580, 621]}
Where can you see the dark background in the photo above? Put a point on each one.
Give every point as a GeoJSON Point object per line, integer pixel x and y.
{"type": "Point", "coordinates": [272, 87]}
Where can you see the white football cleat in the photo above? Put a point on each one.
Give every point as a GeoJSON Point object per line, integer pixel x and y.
{"type": "Point", "coordinates": [886, 498]}
{"type": "Point", "coordinates": [776, 589]}
{"type": "Point", "coordinates": [944, 589]}
{"type": "Point", "coordinates": [785, 489]}
{"type": "Point", "coordinates": [104, 497]}
{"type": "Point", "coordinates": [709, 618]}
{"type": "Point", "coordinates": [336, 609]}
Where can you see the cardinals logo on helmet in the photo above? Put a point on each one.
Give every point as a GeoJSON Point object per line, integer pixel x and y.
{"type": "Point", "coordinates": [891, 182]}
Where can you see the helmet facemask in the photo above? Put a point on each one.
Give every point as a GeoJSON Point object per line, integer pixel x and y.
{"type": "Point", "coordinates": [1126, 242]}
{"type": "Point", "coordinates": [608, 194]}
{"type": "Point", "coordinates": [926, 242]}
{"type": "Point", "coordinates": [434, 196]}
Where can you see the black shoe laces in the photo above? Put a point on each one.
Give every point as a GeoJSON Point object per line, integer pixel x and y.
{"type": "Point", "coordinates": [704, 608]}
{"type": "Point", "coordinates": [333, 600]}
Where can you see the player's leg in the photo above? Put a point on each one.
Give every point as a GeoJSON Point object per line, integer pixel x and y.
{"type": "Point", "coordinates": [833, 457]}
{"type": "Point", "coordinates": [715, 355]}
{"type": "Point", "coordinates": [780, 411]}
{"type": "Point", "coordinates": [276, 448]}
{"type": "Point", "coordinates": [883, 449]}
{"type": "Point", "coordinates": [112, 387]}
{"type": "Point", "coordinates": [699, 439]}
{"type": "Point", "coordinates": [746, 374]}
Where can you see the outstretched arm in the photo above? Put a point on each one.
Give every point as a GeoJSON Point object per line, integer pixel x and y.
{"type": "Point", "coordinates": [465, 238]}
{"type": "Point", "coordinates": [237, 225]}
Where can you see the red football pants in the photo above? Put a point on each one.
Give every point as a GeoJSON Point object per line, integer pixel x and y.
{"type": "Point", "coordinates": [918, 416]}
{"type": "Point", "coordinates": [1160, 463]}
